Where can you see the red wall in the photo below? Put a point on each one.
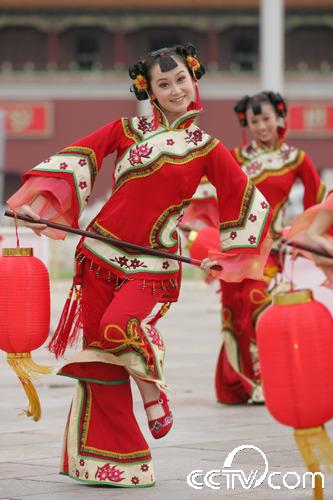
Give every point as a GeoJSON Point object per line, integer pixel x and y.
{"type": "Point", "coordinates": [74, 119]}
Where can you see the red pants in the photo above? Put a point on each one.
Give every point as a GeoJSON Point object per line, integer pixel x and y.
{"type": "Point", "coordinates": [238, 368]}
{"type": "Point", "coordinates": [103, 442]}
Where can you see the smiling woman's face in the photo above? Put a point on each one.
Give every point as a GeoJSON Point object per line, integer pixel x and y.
{"type": "Point", "coordinates": [264, 126]}
{"type": "Point", "coordinates": [174, 89]}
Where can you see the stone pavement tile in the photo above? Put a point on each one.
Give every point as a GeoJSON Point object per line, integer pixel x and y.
{"type": "Point", "coordinates": [18, 470]}
{"type": "Point", "coordinates": [43, 452]}
{"type": "Point", "coordinates": [26, 438]}
{"type": "Point", "coordinates": [51, 462]}
{"type": "Point", "coordinates": [26, 488]}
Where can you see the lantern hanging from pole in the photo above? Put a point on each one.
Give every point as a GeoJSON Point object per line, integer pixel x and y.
{"type": "Point", "coordinates": [24, 316]}
{"type": "Point", "coordinates": [295, 342]}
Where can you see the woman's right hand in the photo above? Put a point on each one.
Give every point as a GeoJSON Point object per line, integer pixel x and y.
{"type": "Point", "coordinates": [37, 228]}
{"type": "Point", "coordinates": [316, 235]}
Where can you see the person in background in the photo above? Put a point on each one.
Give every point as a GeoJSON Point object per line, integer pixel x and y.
{"type": "Point", "coordinates": [273, 166]}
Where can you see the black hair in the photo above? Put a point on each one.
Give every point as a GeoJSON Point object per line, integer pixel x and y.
{"type": "Point", "coordinates": [165, 58]}
{"type": "Point", "coordinates": [256, 101]}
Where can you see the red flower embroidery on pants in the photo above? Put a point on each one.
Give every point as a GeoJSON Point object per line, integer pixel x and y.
{"type": "Point", "coordinates": [110, 473]}
{"type": "Point", "coordinates": [155, 337]}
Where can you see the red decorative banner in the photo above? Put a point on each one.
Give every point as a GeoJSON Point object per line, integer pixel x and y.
{"type": "Point", "coordinates": [28, 119]}
{"type": "Point", "coordinates": [310, 119]}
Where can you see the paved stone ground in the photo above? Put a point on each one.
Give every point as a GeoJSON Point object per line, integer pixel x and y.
{"type": "Point", "coordinates": [203, 434]}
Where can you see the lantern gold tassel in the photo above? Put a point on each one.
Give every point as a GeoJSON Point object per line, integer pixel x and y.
{"type": "Point", "coordinates": [27, 370]}
{"type": "Point", "coordinates": [317, 450]}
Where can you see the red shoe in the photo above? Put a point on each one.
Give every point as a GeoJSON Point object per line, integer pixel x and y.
{"type": "Point", "coordinates": [159, 427]}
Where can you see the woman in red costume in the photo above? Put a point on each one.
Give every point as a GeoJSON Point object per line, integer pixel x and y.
{"type": "Point", "coordinates": [273, 166]}
{"type": "Point", "coordinates": [160, 161]}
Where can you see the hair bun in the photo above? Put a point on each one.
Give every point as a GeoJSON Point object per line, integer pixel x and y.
{"type": "Point", "coordinates": [240, 110]}
{"type": "Point", "coordinates": [140, 85]}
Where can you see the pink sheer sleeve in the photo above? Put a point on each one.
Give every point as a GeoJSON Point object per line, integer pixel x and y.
{"type": "Point", "coordinates": [50, 198]}
{"type": "Point", "coordinates": [239, 267]}
{"type": "Point", "coordinates": [303, 221]}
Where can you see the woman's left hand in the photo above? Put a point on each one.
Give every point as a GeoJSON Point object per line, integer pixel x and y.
{"type": "Point", "coordinates": [207, 265]}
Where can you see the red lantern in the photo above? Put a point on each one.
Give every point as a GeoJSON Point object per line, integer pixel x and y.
{"type": "Point", "coordinates": [24, 316]}
{"type": "Point", "coordinates": [295, 342]}
{"type": "Point", "coordinates": [200, 242]}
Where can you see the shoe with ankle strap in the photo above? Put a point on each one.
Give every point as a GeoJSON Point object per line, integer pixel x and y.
{"type": "Point", "coordinates": [159, 427]}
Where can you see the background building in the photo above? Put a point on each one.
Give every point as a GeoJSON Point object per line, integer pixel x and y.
{"type": "Point", "coordinates": [63, 69]}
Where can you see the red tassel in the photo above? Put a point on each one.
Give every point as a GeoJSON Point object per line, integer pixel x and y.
{"type": "Point", "coordinates": [197, 103]}
{"type": "Point", "coordinates": [156, 115]}
{"type": "Point", "coordinates": [244, 136]}
{"type": "Point", "coordinates": [70, 322]}
{"type": "Point", "coordinates": [283, 130]}
{"type": "Point", "coordinates": [160, 313]}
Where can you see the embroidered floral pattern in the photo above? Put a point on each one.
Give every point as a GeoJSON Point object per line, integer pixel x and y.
{"type": "Point", "coordinates": [250, 149]}
{"type": "Point", "coordinates": [252, 239]}
{"type": "Point", "coordinates": [284, 153]}
{"type": "Point", "coordinates": [109, 473]}
{"type": "Point", "coordinates": [122, 261]}
{"type": "Point", "coordinates": [63, 165]}
{"type": "Point", "coordinates": [144, 125]}
{"type": "Point", "coordinates": [82, 162]}
{"type": "Point", "coordinates": [144, 467]}
{"type": "Point", "coordinates": [81, 462]}
{"type": "Point", "coordinates": [264, 205]}
{"type": "Point", "coordinates": [253, 168]}
{"type": "Point", "coordinates": [128, 263]}
{"type": "Point", "coordinates": [170, 142]}
{"type": "Point", "coordinates": [77, 473]}
{"type": "Point", "coordinates": [135, 480]}
{"type": "Point", "coordinates": [139, 152]}
{"type": "Point", "coordinates": [194, 136]}
{"type": "Point", "coordinates": [155, 337]}
{"type": "Point", "coordinates": [252, 217]}
{"type": "Point", "coordinates": [233, 235]}
{"type": "Point", "coordinates": [165, 264]}
{"type": "Point", "coordinates": [135, 263]}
